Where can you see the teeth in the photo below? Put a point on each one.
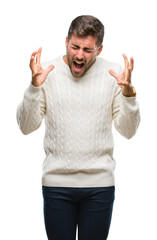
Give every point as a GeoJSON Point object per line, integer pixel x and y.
{"type": "Point", "coordinates": [79, 62]}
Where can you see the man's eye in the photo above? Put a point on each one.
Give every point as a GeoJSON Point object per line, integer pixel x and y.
{"type": "Point", "coordinates": [88, 50]}
{"type": "Point", "coordinates": [75, 48]}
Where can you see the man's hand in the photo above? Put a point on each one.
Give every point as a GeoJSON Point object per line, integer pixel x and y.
{"type": "Point", "coordinates": [39, 74]}
{"type": "Point", "coordinates": [124, 80]}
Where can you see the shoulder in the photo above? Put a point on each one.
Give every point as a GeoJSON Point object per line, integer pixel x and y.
{"type": "Point", "coordinates": [107, 65]}
{"type": "Point", "coordinates": [103, 68]}
{"type": "Point", "coordinates": [51, 76]}
{"type": "Point", "coordinates": [55, 62]}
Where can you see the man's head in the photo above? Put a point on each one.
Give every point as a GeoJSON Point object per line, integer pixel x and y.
{"type": "Point", "coordinates": [83, 43]}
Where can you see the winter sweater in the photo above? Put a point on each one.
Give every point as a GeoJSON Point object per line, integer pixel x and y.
{"type": "Point", "coordinates": [78, 116]}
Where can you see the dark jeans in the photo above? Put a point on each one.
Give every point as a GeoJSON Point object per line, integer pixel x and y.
{"type": "Point", "coordinates": [89, 208]}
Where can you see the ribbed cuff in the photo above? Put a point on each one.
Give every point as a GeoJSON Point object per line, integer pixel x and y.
{"type": "Point", "coordinates": [33, 92]}
{"type": "Point", "coordinates": [129, 101]}
{"type": "Point", "coordinates": [33, 89]}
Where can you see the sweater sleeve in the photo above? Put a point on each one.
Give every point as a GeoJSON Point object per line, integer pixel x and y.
{"type": "Point", "coordinates": [126, 114]}
{"type": "Point", "coordinates": [31, 110]}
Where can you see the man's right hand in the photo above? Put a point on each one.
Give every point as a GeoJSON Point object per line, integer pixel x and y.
{"type": "Point", "coordinates": [39, 74]}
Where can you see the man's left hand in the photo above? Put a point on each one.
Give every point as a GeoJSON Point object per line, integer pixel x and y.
{"type": "Point", "coordinates": [124, 79]}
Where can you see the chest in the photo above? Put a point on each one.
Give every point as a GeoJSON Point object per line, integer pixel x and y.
{"type": "Point", "coordinates": [89, 95]}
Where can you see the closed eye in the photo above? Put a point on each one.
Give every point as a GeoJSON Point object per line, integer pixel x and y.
{"type": "Point", "coordinates": [87, 50]}
{"type": "Point", "coordinates": [75, 47]}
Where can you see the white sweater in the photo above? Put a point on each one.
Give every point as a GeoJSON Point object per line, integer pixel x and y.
{"type": "Point", "coordinates": [78, 117]}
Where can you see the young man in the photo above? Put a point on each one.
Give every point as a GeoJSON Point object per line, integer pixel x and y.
{"type": "Point", "coordinates": [79, 94]}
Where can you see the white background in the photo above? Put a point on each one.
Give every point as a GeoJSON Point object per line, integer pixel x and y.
{"type": "Point", "coordinates": [130, 27]}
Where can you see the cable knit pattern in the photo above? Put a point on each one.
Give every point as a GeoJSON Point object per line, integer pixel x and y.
{"type": "Point", "coordinates": [78, 117]}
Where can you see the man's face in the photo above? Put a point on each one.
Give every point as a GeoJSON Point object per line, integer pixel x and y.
{"type": "Point", "coordinates": [81, 53]}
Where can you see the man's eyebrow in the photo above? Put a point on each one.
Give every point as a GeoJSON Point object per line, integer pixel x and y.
{"type": "Point", "coordinates": [88, 48]}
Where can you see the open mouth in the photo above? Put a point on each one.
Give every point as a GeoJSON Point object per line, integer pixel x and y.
{"type": "Point", "coordinates": [78, 65]}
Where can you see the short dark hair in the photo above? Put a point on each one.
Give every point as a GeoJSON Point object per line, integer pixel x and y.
{"type": "Point", "coordinates": [86, 25]}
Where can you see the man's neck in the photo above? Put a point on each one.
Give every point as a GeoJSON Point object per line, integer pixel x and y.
{"type": "Point", "coordinates": [65, 59]}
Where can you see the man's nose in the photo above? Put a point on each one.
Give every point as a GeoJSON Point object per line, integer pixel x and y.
{"type": "Point", "coordinates": [80, 54]}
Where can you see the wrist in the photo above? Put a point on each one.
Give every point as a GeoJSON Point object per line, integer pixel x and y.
{"type": "Point", "coordinates": [129, 92]}
{"type": "Point", "coordinates": [35, 83]}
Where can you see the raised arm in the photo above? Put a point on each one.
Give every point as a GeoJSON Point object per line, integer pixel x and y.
{"type": "Point", "coordinates": [126, 113]}
{"type": "Point", "coordinates": [32, 109]}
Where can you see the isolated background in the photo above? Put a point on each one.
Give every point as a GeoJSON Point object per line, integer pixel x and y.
{"type": "Point", "coordinates": [130, 27]}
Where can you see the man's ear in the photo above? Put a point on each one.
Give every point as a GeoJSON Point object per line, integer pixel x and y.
{"type": "Point", "coordinates": [100, 49]}
{"type": "Point", "coordinates": [67, 41]}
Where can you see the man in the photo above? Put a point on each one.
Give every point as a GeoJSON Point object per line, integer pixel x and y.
{"type": "Point", "coordinates": [79, 94]}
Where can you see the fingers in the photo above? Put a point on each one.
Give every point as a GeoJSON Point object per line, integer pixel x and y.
{"type": "Point", "coordinates": [35, 58]}
{"type": "Point", "coordinates": [126, 61]}
{"type": "Point", "coordinates": [38, 55]}
{"type": "Point", "coordinates": [34, 53]}
{"type": "Point", "coordinates": [127, 64]}
{"type": "Point", "coordinates": [113, 73]}
{"type": "Point", "coordinates": [128, 69]}
{"type": "Point", "coordinates": [50, 68]}
{"type": "Point", "coordinates": [131, 63]}
{"type": "Point", "coordinates": [32, 60]}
